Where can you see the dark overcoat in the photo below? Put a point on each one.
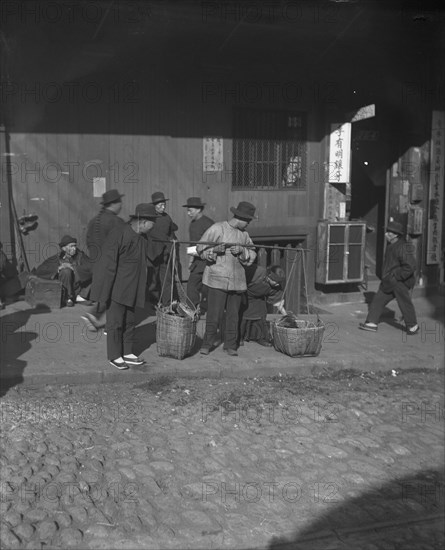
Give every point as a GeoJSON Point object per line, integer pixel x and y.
{"type": "Point", "coordinates": [81, 263]}
{"type": "Point", "coordinates": [120, 274]}
{"type": "Point", "coordinates": [98, 229]}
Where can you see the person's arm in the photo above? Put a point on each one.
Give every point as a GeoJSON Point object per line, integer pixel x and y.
{"type": "Point", "coordinates": [209, 252]}
{"type": "Point", "coordinates": [248, 255]}
{"type": "Point", "coordinates": [407, 261]}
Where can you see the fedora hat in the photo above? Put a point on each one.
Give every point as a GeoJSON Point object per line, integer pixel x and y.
{"type": "Point", "coordinates": [244, 210]}
{"type": "Point", "coordinates": [146, 211]}
{"type": "Point", "coordinates": [67, 239]}
{"type": "Point", "coordinates": [158, 197]}
{"type": "Point", "coordinates": [395, 227]}
{"type": "Point", "coordinates": [194, 202]}
{"type": "Point", "coordinates": [112, 195]}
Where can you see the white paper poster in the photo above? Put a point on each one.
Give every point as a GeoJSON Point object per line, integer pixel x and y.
{"type": "Point", "coordinates": [212, 154]}
{"type": "Point", "coordinates": [340, 153]}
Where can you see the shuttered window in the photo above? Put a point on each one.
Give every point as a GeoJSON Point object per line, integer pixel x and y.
{"type": "Point", "coordinates": [269, 149]}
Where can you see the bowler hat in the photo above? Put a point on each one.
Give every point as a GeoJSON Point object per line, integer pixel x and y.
{"type": "Point", "coordinates": [112, 195]}
{"type": "Point", "coordinates": [395, 227]}
{"type": "Point", "coordinates": [158, 197]}
{"type": "Point", "coordinates": [194, 202]}
{"type": "Point", "coordinates": [145, 211]}
{"type": "Point", "coordinates": [244, 210]}
{"type": "Point", "coordinates": [67, 239]}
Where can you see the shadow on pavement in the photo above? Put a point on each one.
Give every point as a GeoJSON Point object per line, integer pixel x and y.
{"type": "Point", "coordinates": [15, 342]}
{"type": "Point", "coordinates": [404, 513]}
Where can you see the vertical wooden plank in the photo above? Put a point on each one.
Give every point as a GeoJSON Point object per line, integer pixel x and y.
{"type": "Point", "coordinates": [262, 257]}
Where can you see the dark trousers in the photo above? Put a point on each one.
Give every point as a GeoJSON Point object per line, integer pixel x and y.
{"type": "Point", "coordinates": [72, 285]}
{"type": "Point", "coordinates": [217, 301]}
{"type": "Point", "coordinates": [120, 330]}
{"type": "Point", "coordinates": [402, 294]}
{"type": "Point", "coordinates": [196, 291]}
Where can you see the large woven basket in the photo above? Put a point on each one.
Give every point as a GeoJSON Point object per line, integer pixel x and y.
{"type": "Point", "coordinates": [303, 341]}
{"type": "Point", "coordinates": [175, 335]}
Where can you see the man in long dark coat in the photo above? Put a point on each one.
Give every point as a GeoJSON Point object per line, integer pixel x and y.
{"type": "Point", "coordinates": [119, 281]}
{"type": "Point", "coordinates": [162, 234]}
{"type": "Point", "coordinates": [97, 231]}
{"type": "Point", "coordinates": [199, 223]}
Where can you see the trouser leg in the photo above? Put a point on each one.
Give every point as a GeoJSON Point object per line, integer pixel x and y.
{"type": "Point", "coordinates": [128, 332]}
{"type": "Point", "coordinates": [216, 303]}
{"type": "Point", "coordinates": [233, 305]}
{"type": "Point", "coordinates": [66, 277]}
{"type": "Point", "coordinates": [405, 304]}
{"type": "Point", "coordinates": [377, 305]}
{"type": "Point", "coordinates": [194, 285]}
{"type": "Point", "coordinates": [115, 329]}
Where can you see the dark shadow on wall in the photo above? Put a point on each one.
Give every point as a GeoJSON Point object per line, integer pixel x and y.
{"type": "Point", "coordinates": [15, 340]}
{"type": "Point", "coordinates": [406, 513]}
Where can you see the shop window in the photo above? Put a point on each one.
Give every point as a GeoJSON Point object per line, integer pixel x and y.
{"type": "Point", "coordinates": [269, 150]}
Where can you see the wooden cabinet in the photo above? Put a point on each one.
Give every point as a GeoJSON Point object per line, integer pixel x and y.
{"type": "Point", "coordinates": [340, 252]}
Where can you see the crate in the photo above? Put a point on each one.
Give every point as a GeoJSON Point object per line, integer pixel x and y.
{"type": "Point", "coordinates": [43, 292]}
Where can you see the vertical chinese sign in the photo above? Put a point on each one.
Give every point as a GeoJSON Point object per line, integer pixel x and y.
{"type": "Point", "coordinates": [212, 159]}
{"type": "Point", "coordinates": [436, 185]}
{"type": "Point", "coordinates": [340, 153]}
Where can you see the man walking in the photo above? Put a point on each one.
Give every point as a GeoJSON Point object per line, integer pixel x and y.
{"type": "Point", "coordinates": [199, 223]}
{"type": "Point", "coordinates": [398, 278]}
{"type": "Point", "coordinates": [119, 282]}
{"type": "Point", "coordinates": [97, 231]}
{"type": "Point", "coordinates": [224, 274]}
{"type": "Point", "coordinates": [107, 218]}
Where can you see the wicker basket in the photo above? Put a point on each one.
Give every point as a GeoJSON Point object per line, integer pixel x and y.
{"type": "Point", "coordinates": [175, 335]}
{"type": "Point", "coordinates": [304, 341]}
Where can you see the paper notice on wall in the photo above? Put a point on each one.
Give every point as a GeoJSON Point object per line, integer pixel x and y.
{"type": "Point", "coordinates": [99, 186]}
{"type": "Point", "coordinates": [212, 154]}
{"type": "Point", "coordinates": [340, 153]}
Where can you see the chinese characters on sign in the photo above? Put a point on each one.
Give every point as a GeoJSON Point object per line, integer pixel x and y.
{"type": "Point", "coordinates": [436, 185]}
{"type": "Point", "coordinates": [340, 153]}
{"type": "Point", "coordinates": [212, 154]}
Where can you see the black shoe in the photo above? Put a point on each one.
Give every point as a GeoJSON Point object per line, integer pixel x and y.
{"type": "Point", "coordinates": [121, 365]}
{"type": "Point", "coordinates": [69, 303]}
{"type": "Point", "coordinates": [413, 330]}
{"type": "Point", "coordinates": [366, 326]}
{"type": "Point", "coordinates": [231, 352]}
{"type": "Point", "coordinates": [133, 360]}
{"type": "Point", "coordinates": [204, 350]}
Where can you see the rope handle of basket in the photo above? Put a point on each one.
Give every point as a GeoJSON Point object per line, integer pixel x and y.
{"type": "Point", "coordinates": [293, 266]}
{"type": "Point", "coordinates": [172, 266]}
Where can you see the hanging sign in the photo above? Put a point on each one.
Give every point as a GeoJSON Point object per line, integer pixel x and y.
{"type": "Point", "coordinates": [212, 154]}
{"type": "Point", "coordinates": [340, 153]}
{"type": "Point", "coordinates": [436, 185]}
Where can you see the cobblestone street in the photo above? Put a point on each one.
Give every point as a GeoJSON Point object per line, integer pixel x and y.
{"type": "Point", "coordinates": [346, 459]}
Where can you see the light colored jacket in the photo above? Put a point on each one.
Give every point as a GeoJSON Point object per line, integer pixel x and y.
{"type": "Point", "coordinates": [224, 270]}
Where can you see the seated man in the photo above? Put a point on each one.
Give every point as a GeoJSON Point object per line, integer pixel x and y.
{"type": "Point", "coordinates": [73, 269]}
{"type": "Point", "coordinates": [263, 286]}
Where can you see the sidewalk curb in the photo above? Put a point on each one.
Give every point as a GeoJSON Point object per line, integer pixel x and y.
{"type": "Point", "coordinates": [231, 372]}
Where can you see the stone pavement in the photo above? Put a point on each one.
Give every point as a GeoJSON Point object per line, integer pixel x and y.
{"type": "Point", "coordinates": [40, 347]}
{"type": "Point", "coordinates": [340, 461]}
